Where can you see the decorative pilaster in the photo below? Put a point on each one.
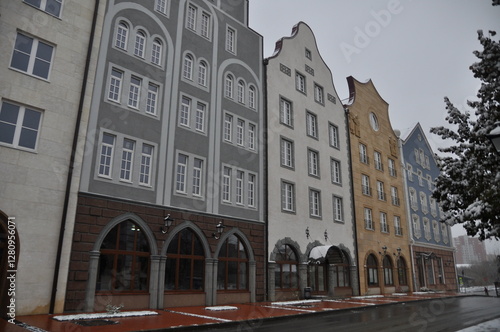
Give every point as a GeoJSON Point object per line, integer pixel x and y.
{"type": "Point", "coordinates": [91, 282]}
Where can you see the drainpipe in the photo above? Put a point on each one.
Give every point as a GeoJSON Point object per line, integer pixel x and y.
{"type": "Point", "coordinates": [266, 180]}
{"type": "Point", "coordinates": [72, 160]}
{"type": "Point", "coordinates": [353, 204]}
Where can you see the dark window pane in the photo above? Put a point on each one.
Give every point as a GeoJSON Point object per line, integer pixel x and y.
{"type": "Point", "coordinates": [28, 138]}
{"type": "Point", "coordinates": [232, 275]}
{"type": "Point", "coordinates": [142, 242]}
{"type": "Point", "coordinates": [35, 3]}
{"type": "Point", "coordinates": [172, 247]}
{"type": "Point", "coordinates": [242, 251]}
{"type": "Point", "coordinates": [198, 248]}
{"type": "Point", "coordinates": [44, 52]}
{"type": "Point", "coordinates": [221, 275]}
{"type": "Point", "coordinates": [24, 44]}
{"type": "Point", "coordinates": [232, 246]}
{"type": "Point", "coordinates": [123, 276]}
{"type": "Point", "coordinates": [242, 276]}
{"type": "Point", "coordinates": [293, 277]}
{"type": "Point", "coordinates": [7, 133]}
{"type": "Point", "coordinates": [141, 273]}
{"type": "Point", "coordinates": [186, 242]}
{"type": "Point", "coordinates": [53, 7]}
{"type": "Point", "coordinates": [105, 275]}
{"type": "Point", "coordinates": [184, 274]}
{"type": "Point", "coordinates": [41, 68]}
{"type": "Point", "coordinates": [31, 119]}
{"type": "Point", "coordinates": [198, 274]}
{"type": "Point", "coordinates": [110, 239]}
{"type": "Point", "coordinates": [170, 274]}
{"type": "Point", "coordinates": [20, 61]}
{"type": "Point", "coordinates": [9, 113]}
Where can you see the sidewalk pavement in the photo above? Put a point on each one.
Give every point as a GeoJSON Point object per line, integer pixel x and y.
{"type": "Point", "coordinates": [186, 318]}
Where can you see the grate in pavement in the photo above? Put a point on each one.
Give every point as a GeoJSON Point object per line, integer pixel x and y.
{"type": "Point", "coordinates": [94, 322]}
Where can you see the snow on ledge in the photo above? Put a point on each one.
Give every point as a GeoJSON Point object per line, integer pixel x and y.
{"type": "Point", "coordinates": [221, 308]}
{"type": "Point", "coordinates": [366, 297]}
{"type": "Point", "coordinates": [105, 315]}
{"type": "Point", "coordinates": [295, 302]}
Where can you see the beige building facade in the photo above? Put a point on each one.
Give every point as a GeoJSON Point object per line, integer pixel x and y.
{"type": "Point", "coordinates": [382, 231]}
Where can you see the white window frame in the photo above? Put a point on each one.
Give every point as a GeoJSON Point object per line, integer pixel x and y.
{"type": "Point", "coordinates": [146, 165]}
{"type": "Point", "coordinates": [20, 127]}
{"type": "Point", "coordinates": [115, 85]}
{"type": "Point", "coordinates": [319, 94]}
{"type": "Point", "coordinates": [187, 67]}
{"type": "Point", "coordinates": [228, 86]}
{"type": "Point", "coordinates": [338, 209]}
{"type": "Point", "coordinates": [231, 40]}
{"type": "Point", "coordinates": [197, 178]}
{"type": "Point", "coordinates": [392, 167]}
{"type": "Point", "coordinates": [45, 4]}
{"type": "Point", "coordinates": [363, 154]}
{"type": "Point", "coordinates": [127, 160]}
{"type": "Point", "coordinates": [191, 17]}
{"type": "Point", "coordinates": [106, 156]}
{"type": "Point", "coordinates": [185, 111]}
{"type": "Point", "coordinates": [378, 161]}
{"type": "Point", "coordinates": [397, 226]}
{"type": "Point", "coordinates": [365, 185]}
{"type": "Point", "coordinates": [395, 196]}
{"type": "Point", "coordinates": [286, 112]}
{"type": "Point", "coordinates": [336, 171]}
{"type": "Point", "coordinates": [121, 36]}
{"type": "Point", "coordinates": [381, 191]}
{"type": "Point", "coordinates": [181, 173]}
{"type": "Point", "coordinates": [140, 44]}
{"type": "Point", "coordinates": [300, 82]}
{"type": "Point", "coordinates": [333, 135]}
{"type": "Point", "coordinates": [240, 180]}
{"type": "Point", "coordinates": [368, 217]}
{"type": "Point", "coordinates": [33, 58]}
{"type": "Point", "coordinates": [312, 124]}
{"type": "Point", "coordinates": [417, 230]}
{"type": "Point", "coordinates": [152, 99]}
{"type": "Point", "coordinates": [228, 127]}
{"type": "Point", "coordinates": [251, 136]}
{"type": "Point", "coordinates": [200, 117]}
{"type": "Point", "coordinates": [314, 203]}
{"type": "Point", "coordinates": [161, 6]}
{"type": "Point", "coordinates": [251, 97]}
{"type": "Point", "coordinates": [251, 183]}
{"type": "Point", "coordinates": [226, 184]}
{"type": "Point", "coordinates": [287, 196]}
{"type": "Point", "coordinates": [241, 92]}
{"type": "Point", "coordinates": [134, 93]}
{"type": "Point", "coordinates": [313, 162]}
{"type": "Point", "coordinates": [205, 20]}
{"type": "Point", "coordinates": [435, 230]}
{"type": "Point", "coordinates": [287, 152]}
{"type": "Point", "coordinates": [384, 227]}
{"type": "Point", "coordinates": [240, 132]}
{"type": "Point", "coordinates": [202, 73]}
{"type": "Point", "coordinates": [156, 52]}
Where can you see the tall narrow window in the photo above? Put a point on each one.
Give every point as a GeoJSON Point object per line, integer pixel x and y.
{"type": "Point", "coordinates": [156, 52]}
{"type": "Point", "coordinates": [187, 71]}
{"type": "Point", "coordinates": [228, 127]}
{"type": "Point", "coordinates": [312, 124]}
{"type": "Point", "coordinates": [115, 84]}
{"type": "Point", "coordinates": [392, 167]}
{"type": "Point", "coordinates": [106, 157]}
{"type": "Point", "coordinates": [232, 269]}
{"type": "Point", "coordinates": [365, 185]}
{"type": "Point", "coordinates": [146, 164]}
{"type": "Point", "coordinates": [32, 56]}
{"type": "Point", "coordinates": [241, 92]}
{"type": "Point", "coordinates": [127, 159]}
{"type": "Point", "coordinates": [140, 42]}
{"type": "Point", "coordinates": [251, 136]}
{"type": "Point", "coordinates": [185, 110]}
{"type": "Point", "coordinates": [397, 226]}
{"type": "Point", "coordinates": [200, 117]}
{"type": "Point", "coordinates": [313, 158]}
{"type": "Point", "coordinates": [197, 176]}
{"type": "Point", "coordinates": [226, 185]}
{"type": "Point", "coordinates": [202, 73]}
{"type": "Point", "coordinates": [134, 92]}
{"type": "Point", "coordinates": [334, 135]}
{"type": "Point", "coordinates": [228, 86]}
{"type": "Point", "coordinates": [318, 94]}
{"type": "Point", "coordinates": [435, 230]}
{"type": "Point", "coordinates": [423, 203]}
{"type": "Point", "coordinates": [300, 82]}
{"type": "Point", "coordinates": [378, 161]}
{"type": "Point", "coordinates": [161, 6]}
{"type": "Point", "coordinates": [372, 270]}
{"type": "Point", "coordinates": [286, 272]}
{"type": "Point", "coordinates": [205, 25]}
{"type": "Point", "coordinates": [191, 18]}
{"type": "Point", "coordinates": [19, 125]}
{"type": "Point", "coordinates": [314, 203]}
{"type": "Point", "coordinates": [286, 115]}
{"type": "Point", "coordinates": [121, 36]}
{"type": "Point", "coordinates": [251, 97]}
{"type": "Point", "coordinates": [380, 191]}
{"type": "Point", "coordinates": [388, 278]}
{"type": "Point", "coordinates": [286, 153]}
{"type": "Point", "coordinates": [403, 280]}
{"type": "Point", "coordinates": [152, 99]}
{"type": "Point", "coordinates": [384, 228]}
{"type": "Point", "coordinates": [363, 155]}
{"type": "Point", "coordinates": [182, 163]}
{"type": "Point", "coordinates": [239, 187]}
{"type": "Point", "coordinates": [287, 196]}
{"type": "Point", "coordinates": [417, 231]}
{"type": "Point", "coordinates": [338, 209]}
{"type": "Point", "coordinates": [368, 219]}
{"type": "Point", "coordinates": [251, 190]}
{"type": "Point", "coordinates": [230, 40]}
{"type": "Point", "coordinates": [394, 196]}
{"type": "Point", "coordinates": [335, 169]}
{"type": "Point", "coordinates": [240, 129]}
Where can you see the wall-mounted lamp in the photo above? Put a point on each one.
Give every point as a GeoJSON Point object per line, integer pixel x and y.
{"type": "Point", "coordinates": [219, 230]}
{"type": "Point", "coordinates": [307, 233]}
{"type": "Point", "coordinates": [384, 248]}
{"type": "Point", "coordinates": [168, 222]}
{"type": "Point", "coordinates": [399, 252]}
{"type": "Point", "coordinates": [326, 235]}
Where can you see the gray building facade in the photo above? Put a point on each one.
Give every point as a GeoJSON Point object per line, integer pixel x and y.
{"type": "Point", "coordinates": [174, 148]}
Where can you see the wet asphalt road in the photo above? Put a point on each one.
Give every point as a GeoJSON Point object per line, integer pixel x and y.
{"type": "Point", "coordinates": [447, 314]}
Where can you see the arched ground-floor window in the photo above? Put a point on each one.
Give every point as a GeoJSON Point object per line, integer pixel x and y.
{"type": "Point", "coordinates": [232, 271]}
{"type": "Point", "coordinates": [402, 276]}
{"type": "Point", "coordinates": [388, 276]}
{"type": "Point", "coordinates": [286, 271]}
{"type": "Point", "coordinates": [372, 271]}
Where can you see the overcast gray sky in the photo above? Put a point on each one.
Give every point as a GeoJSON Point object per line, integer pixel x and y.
{"type": "Point", "coordinates": [415, 52]}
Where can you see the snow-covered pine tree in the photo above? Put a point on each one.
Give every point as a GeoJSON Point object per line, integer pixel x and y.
{"type": "Point", "coordinates": [468, 187]}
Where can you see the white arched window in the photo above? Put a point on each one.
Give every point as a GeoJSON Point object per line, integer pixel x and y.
{"type": "Point", "coordinates": [140, 42]}
{"type": "Point", "coordinates": [188, 67]}
{"type": "Point", "coordinates": [228, 87]}
{"type": "Point", "coordinates": [202, 73]}
{"type": "Point", "coordinates": [156, 52]}
{"type": "Point", "coordinates": [241, 91]}
{"type": "Point", "coordinates": [121, 35]}
{"type": "Point", "coordinates": [251, 97]}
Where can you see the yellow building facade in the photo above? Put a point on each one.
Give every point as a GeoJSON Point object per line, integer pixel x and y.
{"type": "Point", "coordinates": [384, 259]}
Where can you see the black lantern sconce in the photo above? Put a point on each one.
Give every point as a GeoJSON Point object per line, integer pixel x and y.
{"type": "Point", "coordinates": [168, 222]}
{"type": "Point", "coordinates": [307, 233]}
{"type": "Point", "coordinates": [326, 235]}
{"type": "Point", "coordinates": [384, 248]}
{"type": "Point", "coordinates": [219, 230]}
{"type": "Point", "coordinates": [399, 252]}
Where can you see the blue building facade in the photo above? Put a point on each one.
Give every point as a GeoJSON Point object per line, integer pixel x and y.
{"type": "Point", "coordinates": [431, 244]}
